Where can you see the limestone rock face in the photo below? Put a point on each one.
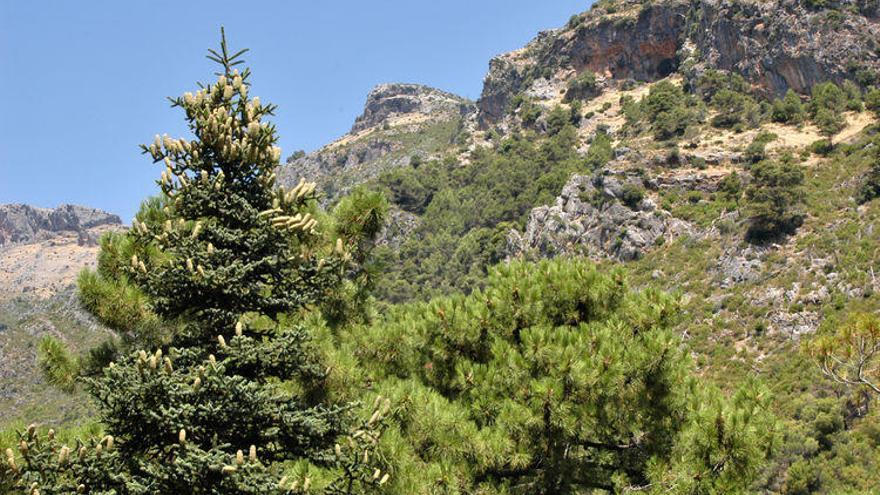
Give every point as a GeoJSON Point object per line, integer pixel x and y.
{"type": "Point", "coordinates": [591, 218]}
{"type": "Point", "coordinates": [400, 122]}
{"type": "Point", "coordinates": [23, 223]}
{"type": "Point", "coordinates": [393, 100]}
{"type": "Point", "coordinates": [775, 45]}
{"type": "Point", "coordinates": [781, 44]}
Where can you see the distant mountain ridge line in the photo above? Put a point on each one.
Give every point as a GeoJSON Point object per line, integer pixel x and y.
{"type": "Point", "coordinates": [21, 223]}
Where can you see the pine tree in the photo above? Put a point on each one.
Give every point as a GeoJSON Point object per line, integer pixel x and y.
{"type": "Point", "coordinates": [239, 388]}
{"type": "Point", "coordinates": [774, 198]}
{"type": "Point", "coordinates": [851, 355]}
{"type": "Point", "coordinates": [556, 379]}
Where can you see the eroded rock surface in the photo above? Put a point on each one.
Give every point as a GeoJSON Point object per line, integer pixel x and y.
{"type": "Point", "coordinates": [24, 223]}
{"type": "Point", "coordinates": [775, 45]}
{"type": "Point", "coordinates": [597, 217]}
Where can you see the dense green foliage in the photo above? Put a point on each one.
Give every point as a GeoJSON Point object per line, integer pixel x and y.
{"type": "Point", "coordinates": [556, 378]}
{"type": "Point", "coordinates": [774, 198]}
{"type": "Point", "coordinates": [465, 212]}
{"type": "Point", "coordinates": [734, 110]}
{"type": "Point", "coordinates": [755, 152]}
{"type": "Point", "coordinates": [582, 87]}
{"type": "Point", "coordinates": [226, 270]}
{"type": "Point", "coordinates": [267, 350]}
{"type": "Point", "coordinates": [788, 110]}
{"type": "Point", "coordinates": [872, 100]}
{"type": "Point", "coordinates": [600, 152]}
{"type": "Point", "coordinates": [668, 110]}
{"type": "Point", "coordinates": [826, 108]}
{"type": "Point", "coordinates": [869, 187]}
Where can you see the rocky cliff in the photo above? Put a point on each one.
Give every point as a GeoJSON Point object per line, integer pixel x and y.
{"type": "Point", "coordinates": [775, 45]}
{"type": "Point", "coordinates": [400, 123]}
{"type": "Point", "coordinates": [24, 223]}
{"type": "Point", "coordinates": [388, 102]}
{"type": "Point", "coordinates": [42, 251]}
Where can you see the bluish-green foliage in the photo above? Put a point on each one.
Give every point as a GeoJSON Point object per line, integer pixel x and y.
{"type": "Point", "coordinates": [225, 263]}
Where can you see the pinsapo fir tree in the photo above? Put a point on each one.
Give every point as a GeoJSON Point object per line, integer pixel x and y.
{"type": "Point", "coordinates": [238, 390]}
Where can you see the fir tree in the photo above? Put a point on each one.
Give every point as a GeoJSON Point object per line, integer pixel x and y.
{"type": "Point", "coordinates": [226, 262]}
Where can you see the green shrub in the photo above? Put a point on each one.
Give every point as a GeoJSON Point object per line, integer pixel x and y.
{"type": "Point", "coordinates": [558, 118]}
{"type": "Point", "coordinates": [788, 110]}
{"type": "Point", "coordinates": [731, 186]}
{"type": "Point", "coordinates": [296, 155]}
{"type": "Point", "coordinates": [529, 112]}
{"type": "Point", "coordinates": [733, 109]}
{"type": "Point", "coordinates": [755, 150]}
{"type": "Point", "coordinates": [668, 109]}
{"type": "Point", "coordinates": [872, 101]}
{"type": "Point", "coordinates": [599, 153]}
{"type": "Point", "coordinates": [697, 162]}
{"type": "Point", "coordinates": [583, 87]}
{"type": "Point", "coordinates": [632, 195]}
{"type": "Point", "coordinates": [869, 188]}
{"type": "Point", "coordinates": [853, 96]}
{"type": "Point", "coordinates": [774, 199]}
{"type": "Point", "coordinates": [829, 96]}
{"type": "Point", "coordinates": [826, 106]}
{"type": "Point", "coordinates": [821, 147]}
{"type": "Point", "coordinates": [828, 122]}
{"type": "Point", "coordinates": [714, 81]}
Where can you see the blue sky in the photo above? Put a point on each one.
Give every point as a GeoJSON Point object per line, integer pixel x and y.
{"type": "Point", "coordinates": [84, 82]}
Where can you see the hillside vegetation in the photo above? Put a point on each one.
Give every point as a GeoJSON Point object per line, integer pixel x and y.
{"type": "Point", "coordinates": [643, 261]}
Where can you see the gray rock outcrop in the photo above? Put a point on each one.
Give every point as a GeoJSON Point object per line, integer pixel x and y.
{"type": "Point", "coordinates": [399, 122]}
{"type": "Point", "coordinates": [596, 217]}
{"type": "Point", "coordinates": [25, 223]}
{"type": "Point", "coordinates": [389, 100]}
{"type": "Point", "coordinates": [775, 45]}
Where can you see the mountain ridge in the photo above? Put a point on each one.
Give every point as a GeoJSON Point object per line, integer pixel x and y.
{"type": "Point", "coordinates": [22, 223]}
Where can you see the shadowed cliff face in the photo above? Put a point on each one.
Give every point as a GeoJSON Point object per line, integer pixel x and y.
{"type": "Point", "coordinates": [775, 45]}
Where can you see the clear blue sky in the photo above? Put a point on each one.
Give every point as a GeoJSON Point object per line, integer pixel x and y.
{"type": "Point", "coordinates": [84, 82]}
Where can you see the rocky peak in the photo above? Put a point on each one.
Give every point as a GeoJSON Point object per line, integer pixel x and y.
{"type": "Point", "coordinates": [387, 101]}
{"type": "Point", "coordinates": [21, 223]}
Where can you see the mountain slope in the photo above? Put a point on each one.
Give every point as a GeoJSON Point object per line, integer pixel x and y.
{"type": "Point", "coordinates": [641, 133]}
{"type": "Point", "coordinates": [401, 123]}
{"type": "Point", "coordinates": [637, 134]}
{"type": "Point", "coordinates": [47, 249]}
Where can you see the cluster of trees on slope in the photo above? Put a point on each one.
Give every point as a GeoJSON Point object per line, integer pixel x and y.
{"type": "Point", "coordinates": [669, 111]}
{"type": "Point", "coordinates": [251, 362]}
{"type": "Point", "coordinates": [466, 210]}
